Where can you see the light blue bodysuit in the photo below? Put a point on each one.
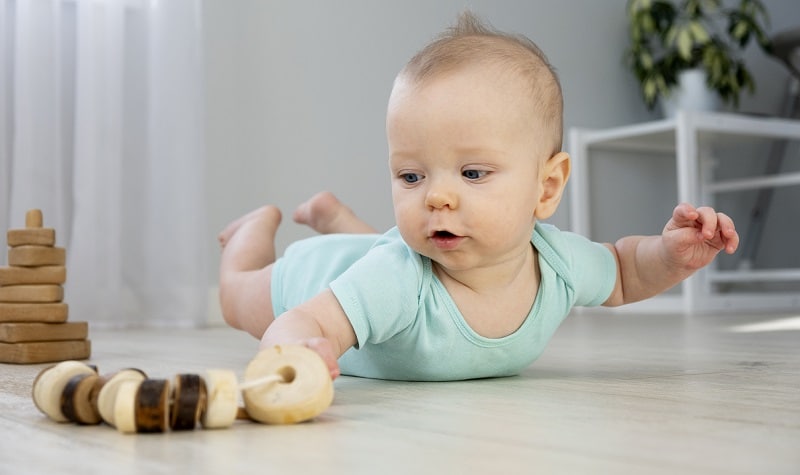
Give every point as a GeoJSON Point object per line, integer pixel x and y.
{"type": "Point", "coordinates": [406, 324]}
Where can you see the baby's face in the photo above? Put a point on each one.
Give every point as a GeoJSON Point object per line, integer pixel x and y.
{"type": "Point", "coordinates": [464, 157]}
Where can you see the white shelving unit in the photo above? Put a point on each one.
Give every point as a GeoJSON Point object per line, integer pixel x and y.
{"type": "Point", "coordinates": [688, 137]}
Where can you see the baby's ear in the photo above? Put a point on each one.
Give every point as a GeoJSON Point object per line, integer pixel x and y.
{"type": "Point", "coordinates": [553, 179]}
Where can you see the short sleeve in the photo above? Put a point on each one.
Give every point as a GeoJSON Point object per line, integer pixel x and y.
{"type": "Point", "coordinates": [587, 267]}
{"type": "Point", "coordinates": [380, 292]}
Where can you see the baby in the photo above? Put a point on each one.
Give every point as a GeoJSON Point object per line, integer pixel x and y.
{"type": "Point", "coordinates": [469, 284]}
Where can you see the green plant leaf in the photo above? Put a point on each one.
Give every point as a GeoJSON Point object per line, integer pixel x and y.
{"type": "Point", "coordinates": [670, 36]}
{"type": "Point", "coordinates": [646, 60]}
{"type": "Point", "coordinates": [740, 30]}
{"type": "Point", "coordinates": [684, 43]}
{"type": "Point", "coordinates": [699, 32]}
{"type": "Point", "coordinates": [649, 90]}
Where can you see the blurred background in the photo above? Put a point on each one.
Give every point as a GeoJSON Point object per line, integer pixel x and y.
{"type": "Point", "coordinates": [272, 101]}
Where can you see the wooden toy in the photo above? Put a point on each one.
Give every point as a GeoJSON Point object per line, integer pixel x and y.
{"type": "Point", "coordinates": [76, 399]}
{"type": "Point", "coordinates": [31, 293]}
{"type": "Point", "coordinates": [284, 385]}
{"type": "Point", "coordinates": [222, 399]}
{"type": "Point", "coordinates": [107, 395]}
{"type": "Point", "coordinates": [33, 256]}
{"type": "Point", "coordinates": [151, 408]}
{"type": "Point", "coordinates": [32, 352]}
{"type": "Point", "coordinates": [33, 312]}
{"type": "Point", "coordinates": [188, 401]}
{"type": "Point", "coordinates": [33, 234]}
{"type": "Point", "coordinates": [33, 275]}
{"type": "Point", "coordinates": [33, 317]}
{"type": "Point", "coordinates": [50, 383]}
{"type": "Point", "coordinates": [19, 332]}
{"type": "Point", "coordinates": [125, 407]}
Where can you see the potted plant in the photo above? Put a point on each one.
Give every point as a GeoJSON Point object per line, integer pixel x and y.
{"type": "Point", "coordinates": [670, 38]}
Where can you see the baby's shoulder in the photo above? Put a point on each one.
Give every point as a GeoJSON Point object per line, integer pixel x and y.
{"type": "Point", "coordinates": [564, 250]}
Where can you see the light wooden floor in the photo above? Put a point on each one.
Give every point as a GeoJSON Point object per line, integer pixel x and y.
{"type": "Point", "coordinates": [612, 394]}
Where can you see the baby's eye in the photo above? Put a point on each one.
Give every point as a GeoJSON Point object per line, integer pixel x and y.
{"type": "Point", "coordinates": [410, 177]}
{"type": "Point", "coordinates": [471, 174]}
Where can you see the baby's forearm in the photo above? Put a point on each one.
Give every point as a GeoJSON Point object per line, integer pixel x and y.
{"type": "Point", "coordinates": [298, 331]}
{"type": "Point", "coordinates": [643, 269]}
{"type": "Point", "coordinates": [319, 324]}
{"type": "Point", "coordinates": [290, 329]}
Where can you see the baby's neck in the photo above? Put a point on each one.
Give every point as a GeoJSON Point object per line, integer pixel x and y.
{"type": "Point", "coordinates": [494, 301]}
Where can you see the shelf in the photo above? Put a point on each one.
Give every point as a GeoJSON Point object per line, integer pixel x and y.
{"type": "Point", "coordinates": [787, 179]}
{"type": "Point", "coordinates": [652, 137]}
{"type": "Point", "coordinates": [660, 136]}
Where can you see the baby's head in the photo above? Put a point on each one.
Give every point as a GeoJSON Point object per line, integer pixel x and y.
{"type": "Point", "coordinates": [512, 59]}
{"type": "Point", "coordinates": [474, 132]}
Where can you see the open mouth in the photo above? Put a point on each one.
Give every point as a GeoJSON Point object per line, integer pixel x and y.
{"type": "Point", "coordinates": [445, 240]}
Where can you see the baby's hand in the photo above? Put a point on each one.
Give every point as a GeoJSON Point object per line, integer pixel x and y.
{"type": "Point", "coordinates": [324, 348]}
{"type": "Point", "coordinates": [694, 236]}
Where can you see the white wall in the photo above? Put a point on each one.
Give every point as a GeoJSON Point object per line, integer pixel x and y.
{"type": "Point", "coordinates": [297, 92]}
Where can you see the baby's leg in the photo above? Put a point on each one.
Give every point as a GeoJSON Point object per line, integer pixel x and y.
{"type": "Point", "coordinates": [325, 214]}
{"type": "Point", "coordinates": [248, 252]}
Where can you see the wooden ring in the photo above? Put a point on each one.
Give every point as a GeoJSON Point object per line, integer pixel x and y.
{"type": "Point", "coordinates": [304, 391]}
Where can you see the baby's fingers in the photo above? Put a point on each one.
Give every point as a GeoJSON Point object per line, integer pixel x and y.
{"type": "Point", "coordinates": [727, 231]}
{"type": "Point", "coordinates": [709, 222]}
{"type": "Point", "coordinates": [715, 224]}
{"type": "Point", "coordinates": [324, 349]}
{"type": "Point", "coordinates": [684, 215]}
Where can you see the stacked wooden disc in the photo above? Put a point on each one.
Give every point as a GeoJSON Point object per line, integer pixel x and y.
{"type": "Point", "coordinates": [33, 315]}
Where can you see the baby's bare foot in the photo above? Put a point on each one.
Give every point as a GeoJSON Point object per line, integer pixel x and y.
{"type": "Point", "coordinates": [271, 216]}
{"type": "Point", "coordinates": [249, 242]}
{"type": "Point", "coordinates": [325, 214]}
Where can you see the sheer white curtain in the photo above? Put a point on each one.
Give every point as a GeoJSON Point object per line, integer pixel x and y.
{"type": "Point", "coordinates": [101, 122]}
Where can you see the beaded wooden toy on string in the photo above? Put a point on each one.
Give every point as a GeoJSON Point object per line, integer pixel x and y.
{"type": "Point", "coordinates": [282, 385]}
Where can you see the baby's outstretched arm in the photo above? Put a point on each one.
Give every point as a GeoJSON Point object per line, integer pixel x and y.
{"type": "Point", "coordinates": [319, 324]}
{"type": "Point", "coordinates": [648, 265]}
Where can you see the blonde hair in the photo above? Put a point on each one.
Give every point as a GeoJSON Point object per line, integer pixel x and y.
{"type": "Point", "coordinates": [471, 42]}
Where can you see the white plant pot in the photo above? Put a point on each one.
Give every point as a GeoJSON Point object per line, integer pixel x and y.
{"type": "Point", "coordinates": [691, 94]}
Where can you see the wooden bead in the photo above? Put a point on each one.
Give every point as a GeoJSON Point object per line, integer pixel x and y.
{"type": "Point", "coordinates": [152, 405]}
{"type": "Point", "coordinates": [302, 391]}
{"type": "Point", "coordinates": [50, 383]}
{"type": "Point", "coordinates": [107, 396]}
{"type": "Point", "coordinates": [222, 401]}
{"type": "Point", "coordinates": [188, 401]}
{"type": "Point", "coordinates": [125, 406]}
{"type": "Point", "coordinates": [79, 399]}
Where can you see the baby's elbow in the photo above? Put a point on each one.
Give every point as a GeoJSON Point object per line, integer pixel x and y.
{"type": "Point", "coordinates": [613, 303]}
{"type": "Point", "coordinates": [616, 298]}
